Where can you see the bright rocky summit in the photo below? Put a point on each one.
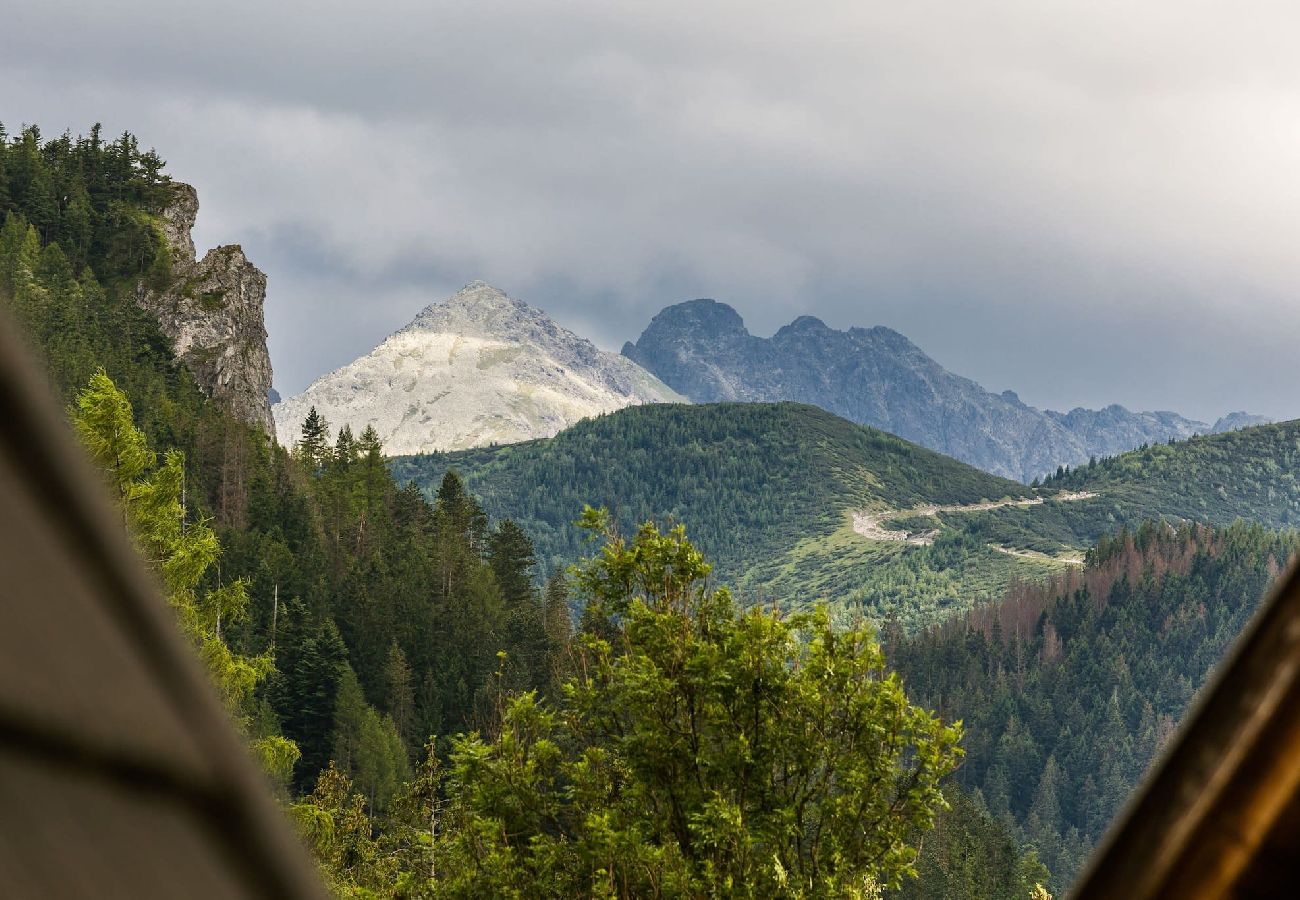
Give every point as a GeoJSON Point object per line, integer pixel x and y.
{"type": "Point", "coordinates": [481, 368]}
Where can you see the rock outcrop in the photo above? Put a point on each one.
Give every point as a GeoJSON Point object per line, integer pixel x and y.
{"type": "Point", "coordinates": [213, 313]}
{"type": "Point", "coordinates": [877, 377]}
{"type": "Point", "coordinates": [480, 368]}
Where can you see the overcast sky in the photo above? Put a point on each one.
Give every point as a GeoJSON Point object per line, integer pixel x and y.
{"type": "Point", "coordinates": [1086, 202]}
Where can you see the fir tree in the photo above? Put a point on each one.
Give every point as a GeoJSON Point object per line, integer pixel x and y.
{"type": "Point", "coordinates": [313, 442]}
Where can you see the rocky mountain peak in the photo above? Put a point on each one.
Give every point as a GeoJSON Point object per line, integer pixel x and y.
{"type": "Point", "coordinates": [682, 344]}
{"type": "Point", "coordinates": [213, 313]}
{"type": "Point", "coordinates": [805, 325]}
{"type": "Point", "coordinates": [478, 368]}
{"type": "Point", "coordinates": [477, 307]}
{"type": "Point", "coordinates": [707, 318]}
{"type": "Point", "coordinates": [1239, 419]}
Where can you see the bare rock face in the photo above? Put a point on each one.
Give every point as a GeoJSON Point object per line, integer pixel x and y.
{"type": "Point", "coordinates": [213, 314]}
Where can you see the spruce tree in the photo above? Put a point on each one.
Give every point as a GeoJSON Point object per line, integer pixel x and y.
{"type": "Point", "coordinates": [313, 442]}
{"type": "Point", "coordinates": [510, 553]}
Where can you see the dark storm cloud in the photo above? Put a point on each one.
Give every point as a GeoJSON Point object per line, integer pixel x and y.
{"type": "Point", "coordinates": [1084, 202]}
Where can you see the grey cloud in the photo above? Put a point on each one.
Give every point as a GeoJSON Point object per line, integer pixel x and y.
{"type": "Point", "coordinates": [1084, 202]}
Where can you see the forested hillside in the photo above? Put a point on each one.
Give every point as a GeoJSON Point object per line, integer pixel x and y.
{"type": "Point", "coordinates": [1251, 474]}
{"type": "Point", "coordinates": [767, 490]}
{"type": "Point", "coordinates": [1069, 689]}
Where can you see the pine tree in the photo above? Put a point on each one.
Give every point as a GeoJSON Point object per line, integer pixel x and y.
{"type": "Point", "coordinates": [313, 444]}
{"type": "Point", "coordinates": [558, 623]}
{"type": "Point", "coordinates": [345, 448]}
{"type": "Point", "coordinates": [510, 553]}
{"type": "Point", "coordinates": [461, 513]}
{"type": "Point", "coordinates": [375, 482]}
{"type": "Point", "coordinates": [311, 659]}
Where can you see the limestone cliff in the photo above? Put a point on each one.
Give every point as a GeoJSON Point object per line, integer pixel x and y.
{"type": "Point", "coordinates": [213, 313]}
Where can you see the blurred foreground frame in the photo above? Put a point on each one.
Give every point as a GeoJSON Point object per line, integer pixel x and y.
{"type": "Point", "coordinates": [120, 775]}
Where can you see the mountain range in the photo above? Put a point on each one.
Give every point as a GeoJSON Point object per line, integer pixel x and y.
{"type": "Point", "coordinates": [483, 368]}
{"type": "Point", "coordinates": [877, 377]}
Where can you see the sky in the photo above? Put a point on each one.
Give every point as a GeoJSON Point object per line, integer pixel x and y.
{"type": "Point", "coordinates": [1085, 202]}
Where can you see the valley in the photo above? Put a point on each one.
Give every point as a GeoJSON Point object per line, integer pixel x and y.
{"type": "Point", "coordinates": [398, 581]}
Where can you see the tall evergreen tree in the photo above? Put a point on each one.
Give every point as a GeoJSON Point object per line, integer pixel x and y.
{"type": "Point", "coordinates": [313, 441]}
{"type": "Point", "coordinates": [510, 553]}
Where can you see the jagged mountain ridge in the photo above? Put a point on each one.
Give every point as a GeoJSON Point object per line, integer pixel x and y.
{"type": "Point", "coordinates": [480, 368]}
{"type": "Point", "coordinates": [877, 377]}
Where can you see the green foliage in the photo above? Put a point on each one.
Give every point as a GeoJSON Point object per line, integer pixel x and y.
{"type": "Point", "coordinates": [79, 327]}
{"type": "Point", "coordinates": [182, 552]}
{"type": "Point", "coordinates": [98, 201]}
{"type": "Point", "coordinates": [367, 746]}
{"type": "Point", "coordinates": [313, 444]}
{"type": "Point", "coordinates": [892, 582]}
{"type": "Point", "coordinates": [698, 751]}
{"type": "Point", "coordinates": [969, 855]}
{"type": "Point", "coordinates": [333, 822]}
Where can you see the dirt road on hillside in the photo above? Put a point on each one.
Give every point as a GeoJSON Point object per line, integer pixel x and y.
{"type": "Point", "coordinates": [869, 524]}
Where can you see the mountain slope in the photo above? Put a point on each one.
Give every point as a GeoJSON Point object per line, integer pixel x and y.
{"type": "Point", "coordinates": [478, 369]}
{"type": "Point", "coordinates": [1251, 474]}
{"type": "Point", "coordinates": [797, 504]}
{"type": "Point", "coordinates": [878, 377]}
{"type": "Point", "coordinates": [768, 491]}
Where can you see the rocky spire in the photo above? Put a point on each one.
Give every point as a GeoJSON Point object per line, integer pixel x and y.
{"type": "Point", "coordinates": [213, 313]}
